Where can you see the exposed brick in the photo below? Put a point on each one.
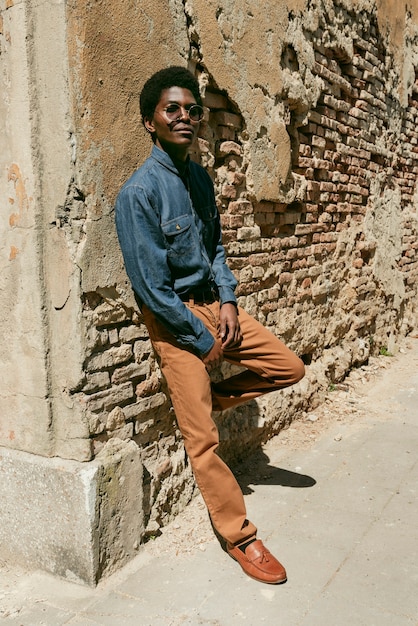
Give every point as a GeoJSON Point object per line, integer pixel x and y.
{"type": "Point", "coordinates": [142, 350]}
{"type": "Point", "coordinates": [318, 141]}
{"type": "Point", "coordinates": [113, 336]}
{"type": "Point", "coordinates": [96, 338]}
{"type": "Point", "coordinates": [229, 191]}
{"type": "Point", "coordinates": [303, 229]}
{"type": "Point", "coordinates": [285, 277]}
{"type": "Point", "coordinates": [248, 233]}
{"type": "Point", "coordinates": [131, 371]}
{"type": "Point", "coordinates": [235, 178]}
{"type": "Point", "coordinates": [96, 381]}
{"type": "Point", "coordinates": [106, 314]}
{"type": "Point", "coordinates": [215, 100]}
{"type": "Point", "coordinates": [108, 399]}
{"type": "Point", "coordinates": [110, 358]}
{"type": "Point", "coordinates": [232, 221]}
{"type": "Point", "coordinates": [227, 133]}
{"type": "Point", "coordinates": [145, 406]}
{"type": "Point", "coordinates": [115, 419]}
{"type": "Point", "coordinates": [131, 333]}
{"type": "Point", "coordinates": [225, 118]}
{"type": "Point", "coordinates": [229, 147]}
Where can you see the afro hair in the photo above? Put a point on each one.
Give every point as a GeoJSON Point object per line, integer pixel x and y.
{"type": "Point", "coordinates": [173, 76]}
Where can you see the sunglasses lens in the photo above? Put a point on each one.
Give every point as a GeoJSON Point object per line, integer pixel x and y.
{"type": "Point", "coordinates": [173, 112]}
{"type": "Point", "coordinates": [196, 113]}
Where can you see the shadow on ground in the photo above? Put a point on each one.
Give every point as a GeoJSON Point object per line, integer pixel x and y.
{"type": "Point", "coordinates": [258, 471]}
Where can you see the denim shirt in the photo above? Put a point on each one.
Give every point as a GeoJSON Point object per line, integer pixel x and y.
{"type": "Point", "coordinates": [171, 243]}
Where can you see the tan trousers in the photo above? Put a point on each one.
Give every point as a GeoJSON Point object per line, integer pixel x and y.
{"type": "Point", "coordinates": [270, 365]}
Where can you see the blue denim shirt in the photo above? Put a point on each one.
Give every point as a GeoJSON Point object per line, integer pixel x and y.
{"type": "Point", "coordinates": [170, 235]}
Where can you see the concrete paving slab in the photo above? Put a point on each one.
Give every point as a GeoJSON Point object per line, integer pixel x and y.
{"type": "Point", "coordinates": [116, 608]}
{"type": "Point", "coordinates": [36, 615]}
{"type": "Point", "coordinates": [386, 559]}
{"type": "Point", "coordinates": [330, 526]}
{"type": "Point", "coordinates": [44, 588]}
{"type": "Point", "coordinates": [345, 608]}
{"type": "Point", "coordinates": [402, 506]}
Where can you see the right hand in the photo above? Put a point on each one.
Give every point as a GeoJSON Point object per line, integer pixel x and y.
{"type": "Point", "coordinates": [214, 357]}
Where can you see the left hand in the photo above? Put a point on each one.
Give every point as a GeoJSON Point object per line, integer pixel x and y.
{"type": "Point", "coordinates": [230, 331]}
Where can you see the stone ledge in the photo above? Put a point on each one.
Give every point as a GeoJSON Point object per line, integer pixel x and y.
{"type": "Point", "coordinates": [80, 521]}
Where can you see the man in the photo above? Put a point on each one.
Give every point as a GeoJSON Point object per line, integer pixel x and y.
{"type": "Point", "coordinates": [170, 236]}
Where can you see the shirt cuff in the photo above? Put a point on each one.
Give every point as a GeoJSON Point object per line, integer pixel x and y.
{"type": "Point", "coordinates": [204, 344]}
{"type": "Point", "coordinates": [226, 294]}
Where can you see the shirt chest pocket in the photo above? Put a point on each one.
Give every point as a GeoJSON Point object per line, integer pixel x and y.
{"type": "Point", "coordinates": [180, 235]}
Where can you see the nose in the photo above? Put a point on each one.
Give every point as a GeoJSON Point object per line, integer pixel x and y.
{"type": "Point", "coordinates": [184, 113]}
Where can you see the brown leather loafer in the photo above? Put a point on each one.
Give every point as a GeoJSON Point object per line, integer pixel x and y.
{"type": "Point", "coordinates": [259, 563]}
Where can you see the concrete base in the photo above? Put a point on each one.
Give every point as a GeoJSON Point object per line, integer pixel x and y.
{"type": "Point", "coordinates": [80, 521]}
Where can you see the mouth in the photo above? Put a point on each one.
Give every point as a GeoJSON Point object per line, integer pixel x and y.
{"type": "Point", "coordinates": [185, 131]}
{"type": "Point", "coordinates": [185, 135]}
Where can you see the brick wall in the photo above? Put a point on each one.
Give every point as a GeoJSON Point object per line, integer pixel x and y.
{"type": "Point", "coordinates": [333, 273]}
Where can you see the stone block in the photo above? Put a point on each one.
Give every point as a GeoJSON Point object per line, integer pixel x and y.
{"type": "Point", "coordinates": [96, 381]}
{"type": "Point", "coordinates": [79, 521]}
{"type": "Point", "coordinates": [215, 100]}
{"type": "Point", "coordinates": [108, 399]}
{"type": "Point", "coordinates": [145, 406]}
{"type": "Point", "coordinates": [131, 333]}
{"type": "Point", "coordinates": [128, 372]}
{"type": "Point", "coordinates": [229, 147]}
{"type": "Point", "coordinates": [110, 313]}
{"type": "Point", "coordinates": [110, 358]}
{"type": "Point", "coordinates": [225, 118]}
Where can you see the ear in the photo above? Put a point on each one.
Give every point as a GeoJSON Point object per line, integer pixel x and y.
{"type": "Point", "coordinates": [149, 125]}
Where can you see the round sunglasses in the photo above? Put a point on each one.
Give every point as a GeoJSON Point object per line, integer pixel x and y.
{"type": "Point", "coordinates": [174, 112]}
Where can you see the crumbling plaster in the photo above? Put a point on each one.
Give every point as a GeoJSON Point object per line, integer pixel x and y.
{"type": "Point", "coordinates": [114, 48]}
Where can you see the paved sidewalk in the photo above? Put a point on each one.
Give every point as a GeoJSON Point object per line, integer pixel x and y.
{"type": "Point", "coordinates": [334, 497]}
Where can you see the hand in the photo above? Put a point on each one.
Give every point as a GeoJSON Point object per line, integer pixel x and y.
{"type": "Point", "coordinates": [214, 357]}
{"type": "Point", "coordinates": [230, 330]}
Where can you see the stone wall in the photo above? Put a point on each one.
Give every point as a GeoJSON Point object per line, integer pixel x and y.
{"type": "Point", "coordinates": [310, 137]}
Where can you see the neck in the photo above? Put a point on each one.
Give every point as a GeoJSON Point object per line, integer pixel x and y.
{"type": "Point", "coordinates": [177, 153]}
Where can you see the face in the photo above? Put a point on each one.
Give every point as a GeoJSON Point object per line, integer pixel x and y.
{"type": "Point", "coordinates": [174, 137]}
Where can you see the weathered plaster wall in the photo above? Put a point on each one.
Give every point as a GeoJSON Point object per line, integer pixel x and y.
{"type": "Point", "coordinates": [42, 306]}
{"type": "Point", "coordinates": [310, 137]}
{"type": "Point", "coordinates": [112, 49]}
{"type": "Point", "coordinates": [24, 409]}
